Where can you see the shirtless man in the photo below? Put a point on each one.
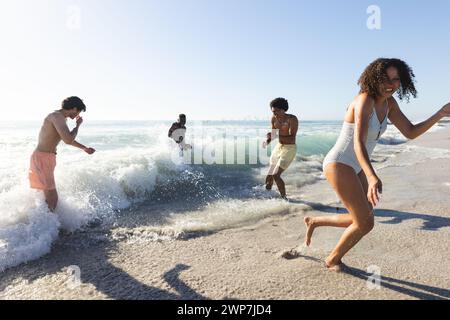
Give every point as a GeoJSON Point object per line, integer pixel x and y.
{"type": "Point", "coordinates": [284, 127]}
{"type": "Point", "coordinates": [178, 131]}
{"type": "Point", "coordinates": [43, 159]}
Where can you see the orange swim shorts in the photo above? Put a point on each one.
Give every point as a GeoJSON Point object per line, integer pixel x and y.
{"type": "Point", "coordinates": [42, 168]}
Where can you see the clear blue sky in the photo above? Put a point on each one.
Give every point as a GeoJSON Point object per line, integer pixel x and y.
{"type": "Point", "coordinates": [216, 59]}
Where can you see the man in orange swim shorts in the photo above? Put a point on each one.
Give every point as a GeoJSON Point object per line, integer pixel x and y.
{"type": "Point", "coordinates": [43, 159]}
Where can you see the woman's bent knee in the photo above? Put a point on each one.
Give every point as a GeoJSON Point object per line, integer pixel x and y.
{"type": "Point", "coordinates": [366, 225]}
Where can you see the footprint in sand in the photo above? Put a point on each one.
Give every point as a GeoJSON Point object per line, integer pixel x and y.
{"type": "Point", "coordinates": [298, 253]}
{"type": "Point", "coordinates": [292, 253]}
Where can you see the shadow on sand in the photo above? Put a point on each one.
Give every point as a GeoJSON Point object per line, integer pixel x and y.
{"type": "Point", "coordinates": [107, 278]}
{"type": "Point", "coordinates": [415, 290]}
{"type": "Point", "coordinates": [430, 222]}
{"type": "Point", "coordinates": [412, 289]}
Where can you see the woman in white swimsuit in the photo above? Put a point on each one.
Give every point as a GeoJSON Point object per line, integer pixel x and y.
{"type": "Point", "coordinates": [347, 166]}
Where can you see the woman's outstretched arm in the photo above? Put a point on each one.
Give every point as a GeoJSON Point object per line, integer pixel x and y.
{"type": "Point", "coordinates": [409, 130]}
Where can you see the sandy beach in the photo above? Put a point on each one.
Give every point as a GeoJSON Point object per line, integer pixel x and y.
{"type": "Point", "coordinates": [409, 246]}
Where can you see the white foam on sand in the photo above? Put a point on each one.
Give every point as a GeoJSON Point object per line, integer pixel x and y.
{"type": "Point", "coordinates": [216, 216]}
{"type": "Point", "coordinates": [416, 155]}
{"type": "Point", "coordinates": [89, 190]}
{"type": "Point", "coordinates": [28, 230]}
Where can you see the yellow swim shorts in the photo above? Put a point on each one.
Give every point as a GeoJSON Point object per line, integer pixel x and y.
{"type": "Point", "coordinates": [283, 155]}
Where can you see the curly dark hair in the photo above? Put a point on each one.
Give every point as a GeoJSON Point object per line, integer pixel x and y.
{"type": "Point", "coordinates": [73, 102]}
{"type": "Point", "coordinates": [280, 103]}
{"type": "Point", "coordinates": [375, 74]}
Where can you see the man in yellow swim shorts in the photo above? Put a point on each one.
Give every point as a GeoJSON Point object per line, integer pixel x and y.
{"type": "Point", "coordinates": [284, 127]}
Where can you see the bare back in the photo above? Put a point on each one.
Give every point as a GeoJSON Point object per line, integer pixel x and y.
{"type": "Point", "coordinates": [49, 137]}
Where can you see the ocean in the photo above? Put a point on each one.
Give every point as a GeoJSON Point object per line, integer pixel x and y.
{"type": "Point", "coordinates": [138, 178]}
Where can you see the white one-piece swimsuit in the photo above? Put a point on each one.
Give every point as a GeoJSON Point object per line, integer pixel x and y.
{"type": "Point", "coordinates": [344, 150]}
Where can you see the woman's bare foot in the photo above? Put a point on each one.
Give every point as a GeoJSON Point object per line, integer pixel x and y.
{"type": "Point", "coordinates": [333, 265]}
{"type": "Point", "coordinates": [310, 226]}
